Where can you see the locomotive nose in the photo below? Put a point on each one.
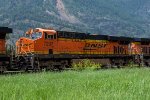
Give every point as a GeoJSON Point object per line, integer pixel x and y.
{"type": "Point", "coordinates": [24, 46]}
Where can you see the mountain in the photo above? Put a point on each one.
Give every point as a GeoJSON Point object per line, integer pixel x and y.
{"type": "Point", "coordinates": [111, 17]}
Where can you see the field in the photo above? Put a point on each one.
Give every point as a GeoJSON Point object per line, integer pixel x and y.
{"type": "Point", "coordinates": [112, 84]}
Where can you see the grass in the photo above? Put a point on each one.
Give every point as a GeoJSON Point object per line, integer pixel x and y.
{"type": "Point", "coordinates": [113, 84]}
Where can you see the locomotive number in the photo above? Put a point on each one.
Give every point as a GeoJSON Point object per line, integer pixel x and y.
{"type": "Point", "coordinates": [119, 50]}
{"type": "Point", "coordinates": [48, 44]}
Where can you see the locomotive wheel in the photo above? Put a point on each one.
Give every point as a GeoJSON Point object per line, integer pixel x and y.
{"type": "Point", "coordinates": [36, 67]}
{"type": "Point", "coordinates": [1, 72]}
{"type": "Point", "coordinates": [2, 69]}
{"type": "Point", "coordinates": [147, 64]}
{"type": "Point", "coordinates": [23, 68]}
{"type": "Point", "coordinates": [50, 68]}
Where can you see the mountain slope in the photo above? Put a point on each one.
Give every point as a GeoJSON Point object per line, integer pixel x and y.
{"type": "Point", "coordinates": [113, 17]}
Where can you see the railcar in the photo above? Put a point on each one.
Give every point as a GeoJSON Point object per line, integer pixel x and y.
{"type": "Point", "coordinates": [140, 49]}
{"type": "Point", "coordinates": [4, 57]}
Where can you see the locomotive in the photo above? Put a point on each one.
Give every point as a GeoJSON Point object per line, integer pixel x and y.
{"type": "Point", "coordinates": [50, 49]}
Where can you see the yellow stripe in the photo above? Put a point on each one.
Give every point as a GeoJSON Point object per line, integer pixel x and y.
{"type": "Point", "coordinates": [136, 42]}
{"type": "Point", "coordinates": [85, 40]}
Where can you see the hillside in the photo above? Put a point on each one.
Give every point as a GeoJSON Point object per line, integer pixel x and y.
{"type": "Point", "coordinates": [113, 17]}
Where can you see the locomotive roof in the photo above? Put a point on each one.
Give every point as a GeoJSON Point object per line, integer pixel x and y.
{"type": "Point", "coordinates": [5, 30]}
{"type": "Point", "coordinates": [78, 35]}
{"type": "Point", "coordinates": [119, 38]}
{"type": "Point", "coordinates": [97, 37]}
{"type": "Point", "coordinates": [141, 39]}
{"type": "Point", "coordinates": [70, 32]}
{"type": "Point", "coordinates": [145, 40]}
{"type": "Point", "coordinates": [66, 34]}
{"type": "Point", "coordinates": [137, 39]}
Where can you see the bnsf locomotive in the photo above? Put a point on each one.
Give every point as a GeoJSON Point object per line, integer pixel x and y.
{"type": "Point", "coordinates": [50, 49]}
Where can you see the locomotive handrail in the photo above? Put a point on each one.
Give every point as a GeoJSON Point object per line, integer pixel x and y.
{"type": "Point", "coordinates": [30, 51]}
{"type": "Point", "coordinates": [24, 51]}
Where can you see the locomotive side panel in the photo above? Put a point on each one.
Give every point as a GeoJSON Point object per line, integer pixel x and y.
{"type": "Point", "coordinates": [70, 46]}
{"type": "Point", "coordinates": [105, 47]}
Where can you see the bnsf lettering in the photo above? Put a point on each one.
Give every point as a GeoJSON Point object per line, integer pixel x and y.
{"type": "Point", "coordinates": [88, 45]}
{"type": "Point", "coordinates": [98, 45]}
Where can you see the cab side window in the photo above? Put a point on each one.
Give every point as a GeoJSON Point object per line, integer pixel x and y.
{"type": "Point", "coordinates": [45, 35]}
{"type": "Point", "coordinates": [50, 36]}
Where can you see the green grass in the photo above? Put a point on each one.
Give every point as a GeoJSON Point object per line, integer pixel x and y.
{"type": "Point", "coordinates": [113, 84]}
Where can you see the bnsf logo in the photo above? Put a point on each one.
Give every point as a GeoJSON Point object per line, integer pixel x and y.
{"type": "Point", "coordinates": [94, 45]}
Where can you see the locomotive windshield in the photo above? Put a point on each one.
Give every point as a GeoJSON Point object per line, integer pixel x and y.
{"type": "Point", "coordinates": [36, 35]}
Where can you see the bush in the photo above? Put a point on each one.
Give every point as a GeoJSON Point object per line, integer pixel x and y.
{"type": "Point", "coordinates": [86, 64]}
{"type": "Point", "coordinates": [132, 65]}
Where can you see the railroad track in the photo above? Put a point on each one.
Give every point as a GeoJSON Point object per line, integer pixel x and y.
{"type": "Point", "coordinates": [18, 72]}
{"type": "Point", "coordinates": [11, 72]}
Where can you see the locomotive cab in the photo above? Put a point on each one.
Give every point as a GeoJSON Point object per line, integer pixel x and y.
{"type": "Point", "coordinates": [49, 42]}
{"type": "Point", "coordinates": [37, 41]}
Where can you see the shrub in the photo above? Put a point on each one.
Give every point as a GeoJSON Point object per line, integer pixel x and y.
{"type": "Point", "coordinates": [131, 64]}
{"type": "Point", "coordinates": [86, 64]}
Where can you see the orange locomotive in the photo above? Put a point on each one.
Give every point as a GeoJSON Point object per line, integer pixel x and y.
{"type": "Point", "coordinates": [48, 48]}
{"type": "Point", "coordinates": [4, 58]}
